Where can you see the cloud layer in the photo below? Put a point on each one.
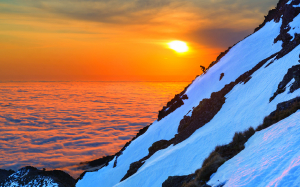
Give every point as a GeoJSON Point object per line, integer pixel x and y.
{"type": "Point", "coordinates": [59, 125]}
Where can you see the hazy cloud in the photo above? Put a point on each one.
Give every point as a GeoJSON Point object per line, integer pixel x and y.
{"type": "Point", "coordinates": [235, 19]}
{"type": "Point", "coordinates": [219, 37]}
{"type": "Point", "coordinates": [138, 11]}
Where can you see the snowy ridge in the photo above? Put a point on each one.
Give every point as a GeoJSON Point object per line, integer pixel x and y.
{"type": "Point", "coordinates": [19, 179]}
{"type": "Point", "coordinates": [32, 177]}
{"type": "Point", "coordinates": [246, 106]}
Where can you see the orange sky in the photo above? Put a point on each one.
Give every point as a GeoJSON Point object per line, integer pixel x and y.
{"type": "Point", "coordinates": [117, 40]}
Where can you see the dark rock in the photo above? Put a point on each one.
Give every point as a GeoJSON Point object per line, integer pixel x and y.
{"type": "Point", "coordinates": [247, 79]}
{"type": "Point", "coordinates": [293, 72]}
{"type": "Point", "coordinates": [177, 181]}
{"type": "Point", "coordinates": [101, 161]}
{"type": "Point", "coordinates": [275, 14]}
{"type": "Point", "coordinates": [4, 174]}
{"type": "Point", "coordinates": [161, 144]}
{"type": "Point", "coordinates": [184, 123]}
{"type": "Point", "coordinates": [288, 13]}
{"type": "Point", "coordinates": [221, 76]}
{"type": "Point", "coordinates": [172, 105]}
{"type": "Point", "coordinates": [285, 105]}
{"type": "Point", "coordinates": [296, 84]}
{"type": "Point", "coordinates": [282, 111]}
{"type": "Point", "coordinates": [133, 169]}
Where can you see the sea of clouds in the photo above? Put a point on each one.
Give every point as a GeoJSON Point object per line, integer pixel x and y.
{"type": "Point", "coordinates": [60, 124]}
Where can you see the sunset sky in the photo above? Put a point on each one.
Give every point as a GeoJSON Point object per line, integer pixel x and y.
{"type": "Point", "coordinates": [119, 40]}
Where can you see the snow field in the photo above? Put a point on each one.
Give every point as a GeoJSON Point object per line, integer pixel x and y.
{"type": "Point", "coordinates": [271, 158]}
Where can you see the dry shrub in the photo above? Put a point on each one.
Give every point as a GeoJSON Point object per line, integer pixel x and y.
{"type": "Point", "coordinates": [280, 114]}
{"type": "Point", "coordinates": [209, 166]}
{"type": "Point", "coordinates": [225, 152]}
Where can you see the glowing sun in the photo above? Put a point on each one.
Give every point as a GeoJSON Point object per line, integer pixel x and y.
{"type": "Point", "coordinates": [178, 46]}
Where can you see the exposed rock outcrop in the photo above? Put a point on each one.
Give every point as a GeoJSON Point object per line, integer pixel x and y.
{"type": "Point", "coordinates": [4, 174]}
{"type": "Point", "coordinates": [172, 105]}
{"type": "Point", "coordinates": [293, 73]}
{"type": "Point", "coordinates": [221, 76]}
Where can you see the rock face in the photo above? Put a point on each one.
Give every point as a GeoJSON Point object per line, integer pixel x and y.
{"type": "Point", "coordinates": [253, 85]}
{"type": "Point", "coordinates": [221, 76]}
{"type": "Point", "coordinates": [177, 181]}
{"type": "Point", "coordinates": [293, 73]}
{"type": "Point", "coordinates": [175, 103]}
{"type": "Point", "coordinates": [32, 177]}
{"type": "Point", "coordinates": [4, 174]}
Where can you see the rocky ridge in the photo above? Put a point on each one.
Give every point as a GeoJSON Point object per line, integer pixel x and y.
{"type": "Point", "coordinates": [32, 177]}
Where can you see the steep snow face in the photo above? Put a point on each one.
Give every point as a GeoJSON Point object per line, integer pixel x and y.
{"type": "Point", "coordinates": [246, 105]}
{"type": "Point", "coordinates": [271, 158]}
{"type": "Point", "coordinates": [172, 161]}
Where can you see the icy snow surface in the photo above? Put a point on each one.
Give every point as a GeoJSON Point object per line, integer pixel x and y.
{"type": "Point", "coordinates": [188, 156]}
{"type": "Point", "coordinates": [271, 158]}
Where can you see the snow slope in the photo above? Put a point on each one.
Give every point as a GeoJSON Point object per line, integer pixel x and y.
{"type": "Point", "coordinates": [239, 59]}
{"type": "Point", "coordinates": [236, 115]}
{"type": "Point", "coordinates": [246, 105]}
{"type": "Point", "coordinates": [271, 158]}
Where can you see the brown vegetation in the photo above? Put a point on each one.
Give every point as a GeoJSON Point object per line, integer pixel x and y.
{"type": "Point", "coordinates": [283, 110]}
{"type": "Point", "coordinates": [220, 155]}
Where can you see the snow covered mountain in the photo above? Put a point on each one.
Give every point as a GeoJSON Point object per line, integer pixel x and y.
{"type": "Point", "coordinates": [238, 124]}
{"type": "Point", "coordinates": [242, 115]}
{"type": "Point", "coordinates": [32, 177]}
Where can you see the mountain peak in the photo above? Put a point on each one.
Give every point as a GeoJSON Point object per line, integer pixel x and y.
{"type": "Point", "coordinates": [286, 9]}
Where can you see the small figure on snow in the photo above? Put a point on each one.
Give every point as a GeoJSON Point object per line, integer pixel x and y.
{"type": "Point", "coordinates": [203, 68]}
